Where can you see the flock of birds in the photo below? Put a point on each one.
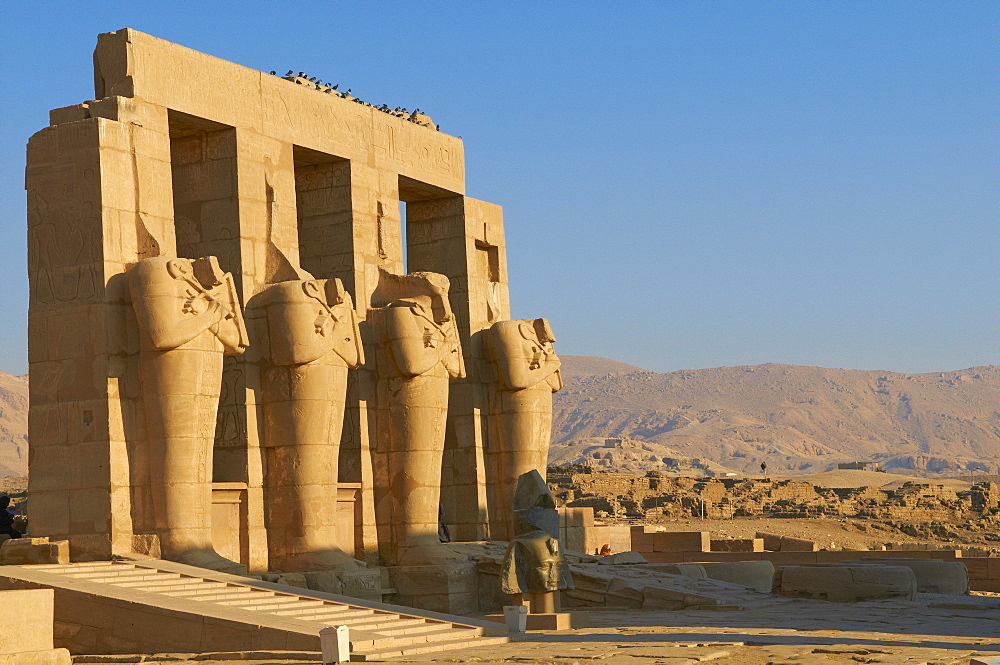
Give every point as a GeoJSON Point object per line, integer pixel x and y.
{"type": "Point", "coordinates": [415, 116]}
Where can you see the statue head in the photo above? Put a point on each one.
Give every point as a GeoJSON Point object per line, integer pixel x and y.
{"type": "Point", "coordinates": [427, 290]}
{"type": "Point", "coordinates": [545, 568]}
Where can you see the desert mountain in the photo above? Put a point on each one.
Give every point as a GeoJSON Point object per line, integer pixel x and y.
{"type": "Point", "coordinates": [796, 419]}
{"type": "Point", "coordinates": [617, 416]}
{"type": "Point", "coordinates": [13, 425]}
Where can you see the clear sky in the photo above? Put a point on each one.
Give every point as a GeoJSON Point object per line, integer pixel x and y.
{"type": "Point", "coordinates": [685, 184]}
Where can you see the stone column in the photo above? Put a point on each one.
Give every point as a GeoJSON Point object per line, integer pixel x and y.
{"type": "Point", "coordinates": [188, 317]}
{"type": "Point", "coordinates": [463, 239]}
{"type": "Point", "coordinates": [526, 374]}
{"type": "Point", "coordinates": [418, 353]}
{"type": "Point", "coordinates": [313, 340]}
{"type": "Point", "coordinates": [98, 183]}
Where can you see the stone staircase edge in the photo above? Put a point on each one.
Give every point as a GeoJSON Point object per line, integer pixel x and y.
{"type": "Point", "coordinates": [402, 610]}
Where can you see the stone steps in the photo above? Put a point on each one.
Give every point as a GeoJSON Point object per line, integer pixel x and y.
{"type": "Point", "coordinates": [280, 614]}
{"type": "Point", "coordinates": [418, 649]}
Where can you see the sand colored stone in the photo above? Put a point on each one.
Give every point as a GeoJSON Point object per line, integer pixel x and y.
{"type": "Point", "coordinates": [845, 583]}
{"type": "Point", "coordinates": [189, 317]}
{"type": "Point", "coordinates": [419, 352]}
{"type": "Point", "coordinates": [219, 301]}
{"type": "Point", "coordinates": [312, 341]}
{"type": "Point", "coordinates": [527, 373]}
{"type": "Point", "coordinates": [26, 625]}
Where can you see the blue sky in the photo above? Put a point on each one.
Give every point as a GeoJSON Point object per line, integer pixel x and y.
{"type": "Point", "coordinates": [685, 184]}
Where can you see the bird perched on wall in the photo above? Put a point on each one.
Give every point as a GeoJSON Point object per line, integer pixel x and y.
{"type": "Point", "coordinates": [290, 72]}
{"type": "Point", "coordinates": [273, 73]}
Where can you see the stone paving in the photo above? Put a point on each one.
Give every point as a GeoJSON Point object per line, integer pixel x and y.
{"type": "Point", "coordinates": [934, 629]}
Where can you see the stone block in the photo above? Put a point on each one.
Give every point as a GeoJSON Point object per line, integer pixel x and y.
{"type": "Point", "coordinates": [549, 621]}
{"type": "Point", "coordinates": [757, 575]}
{"type": "Point", "coordinates": [657, 598]}
{"type": "Point", "coordinates": [681, 541]}
{"type": "Point", "coordinates": [640, 539]}
{"type": "Point", "coordinates": [772, 542]}
{"type": "Point", "coordinates": [841, 583]}
{"type": "Point", "coordinates": [694, 571]}
{"type": "Point", "coordinates": [23, 551]}
{"type": "Point", "coordinates": [932, 576]}
{"type": "Point", "coordinates": [738, 545]}
{"type": "Point", "coordinates": [47, 657]}
{"type": "Point", "coordinates": [789, 544]}
{"type": "Point", "coordinates": [26, 620]}
{"type": "Point", "coordinates": [451, 588]}
{"type": "Point", "coordinates": [581, 516]}
{"type": "Point", "coordinates": [622, 593]}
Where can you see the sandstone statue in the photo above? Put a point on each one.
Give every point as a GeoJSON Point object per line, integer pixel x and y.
{"type": "Point", "coordinates": [527, 373]}
{"type": "Point", "coordinates": [533, 564]}
{"type": "Point", "coordinates": [418, 353]}
{"type": "Point", "coordinates": [189, 317]}
{"type": "Point", "coordinates": [313, 340]}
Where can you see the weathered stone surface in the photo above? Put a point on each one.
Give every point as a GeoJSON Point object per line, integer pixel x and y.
{"type": "Point", "coordinates": [189, 317]}
{"type": "Point", "coordinates": [526, 368]}
{"type": "Point", "coordinates": [932, 576]}
{"type": "Point", "coordinates": [19, 551]}
{"type": "Point", "coordinates": [312, 340]}
{"type": "Point", "coordinates": [152, 399]}
{"type": "Point", "coordinates": [738, 545]}
{"type": "Point", "coordinates": [845, 583]}
{"type": "Point", "coordinates": [418, 352]}
{"type": "Point", "coordinates": [757, 575]}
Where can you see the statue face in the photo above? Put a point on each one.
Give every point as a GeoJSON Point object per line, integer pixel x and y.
{"type": "Point", "coordinates": [546, 574]}
{"type": "Point", "coordinates": [542, 562]}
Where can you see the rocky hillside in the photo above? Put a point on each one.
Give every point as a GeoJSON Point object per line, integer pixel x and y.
{"type": "Point", "coordinates": [13, 425]}
{"type": "Point", "coordinates": [796, 419]}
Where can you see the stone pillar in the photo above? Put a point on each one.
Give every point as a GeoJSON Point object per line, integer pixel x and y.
{"type": "Point", "coordinates": [313, 341]}
{"type": "Point", "coordinates": [463, 239]}
{"type": "Point", "coordinates": [418, 352]}
{"type": "Point", "coordinates": [98, 183]}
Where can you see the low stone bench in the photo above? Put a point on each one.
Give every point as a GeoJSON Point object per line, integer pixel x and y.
{"type": "Point", "coordinates": [845, 583]}
{"type": "Point", "coordinates": [933, 575]}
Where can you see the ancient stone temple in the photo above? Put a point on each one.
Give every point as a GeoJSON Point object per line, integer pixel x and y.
{"type": "Point", "coordinates": [267, 328]}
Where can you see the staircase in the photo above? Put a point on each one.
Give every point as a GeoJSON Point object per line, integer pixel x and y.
{"type": "Point", "coordinates": [232, 612]}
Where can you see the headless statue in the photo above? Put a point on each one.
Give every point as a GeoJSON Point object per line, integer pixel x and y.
{"type": "Point", "coordinates": [419, 352]}
{"type": "Point", "coordinates": [189, 317]}
{"type": "Point", "coordinates": [527, 373]}
{"type": "Point", "coordinates": [313, 342]}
